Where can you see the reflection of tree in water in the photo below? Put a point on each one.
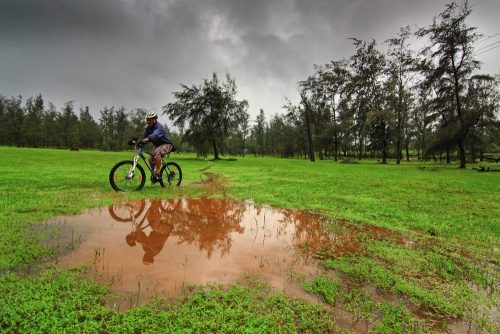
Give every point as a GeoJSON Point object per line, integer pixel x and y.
{"type": "Point", "coordinates": [310, 235]}
{"type": "Point", "coordinates": [208, 223]}
{"type": "Point", "coordinates": [205, 222]}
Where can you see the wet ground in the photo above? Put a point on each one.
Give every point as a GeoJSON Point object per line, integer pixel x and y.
{"type": "Point", "coordinates": [145, 248]}
{"type": "Point", "coordinates": [159, 247]}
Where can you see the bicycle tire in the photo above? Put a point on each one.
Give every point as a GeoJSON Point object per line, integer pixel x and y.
{"type": "Point", "coordinates": [117, 177]}
{"type": "Point", "coordinates": [174, 177]}
{"type": "Point", "coordinates": [119, 211]}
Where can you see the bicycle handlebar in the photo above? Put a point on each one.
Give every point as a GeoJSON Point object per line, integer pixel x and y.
{"type": "Point", "coordinates": [136, 141]}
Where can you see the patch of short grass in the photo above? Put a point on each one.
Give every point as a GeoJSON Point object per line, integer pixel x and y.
{"type": "Point", "coordinates": [384, 316]}
{"type": "Point", "coordinates": [397, 319]}
{"type": "Point", "coordinates": [449, 304]}
{"type": "Point", "coordinates": [64, 301]}
{"type": "Point", "coordinates": [53, 302]}
{"type": "Point", "coordinates": [442, 285]}
{"type": "Point", "coordinates": [454, 212]}
{"type": "Point", "coordinates": [324, 287]}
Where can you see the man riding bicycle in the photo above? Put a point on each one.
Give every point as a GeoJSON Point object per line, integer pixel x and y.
{"type": "Point", "coordinates": [156, 134]}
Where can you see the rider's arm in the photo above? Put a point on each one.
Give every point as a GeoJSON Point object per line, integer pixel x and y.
{"type": "Point", "coordinates": [158, 132]}
{"type": "Point", "coordinates": [145, 137]}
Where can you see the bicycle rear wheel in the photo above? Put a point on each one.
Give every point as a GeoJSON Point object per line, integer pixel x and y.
{"type": "Point", "coordinates": [120, 180]}
{"type": "Point", "coordinates": [171, 174]}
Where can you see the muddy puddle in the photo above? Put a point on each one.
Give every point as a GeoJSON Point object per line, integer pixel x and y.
{"type": "Point", "coordinates": [146, 248]}
{"type": "Point", "coordinates": [160, 247]}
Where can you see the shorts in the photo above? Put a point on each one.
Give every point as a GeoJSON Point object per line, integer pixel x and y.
{"type": "Point", "coordinates": [161, 150]}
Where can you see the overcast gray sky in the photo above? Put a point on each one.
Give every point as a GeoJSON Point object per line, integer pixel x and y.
{"type": "Point", "coordinates": [135, 53]}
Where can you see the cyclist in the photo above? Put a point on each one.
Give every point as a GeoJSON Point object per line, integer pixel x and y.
{"type": "Point", "coordinates": [156, 134]}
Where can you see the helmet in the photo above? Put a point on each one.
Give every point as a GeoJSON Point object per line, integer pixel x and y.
{"type": "Point", "coordinates": [151, 115]}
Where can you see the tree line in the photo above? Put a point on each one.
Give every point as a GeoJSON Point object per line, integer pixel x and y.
{"type": "Point", "coordinates": [33, 124]}
{"type": "Point", "coordinates": [398, 103]}
{"type": "Point", "coordinates": [392, 103]}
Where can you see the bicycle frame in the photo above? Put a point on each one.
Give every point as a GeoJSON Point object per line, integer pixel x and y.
{"type": "Point", "coordinates": [140, 154]}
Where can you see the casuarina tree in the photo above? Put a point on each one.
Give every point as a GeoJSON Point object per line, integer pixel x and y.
{"type": "Point", "coordinates": [400, 70]}
{"type": "Point", "coordinates": [211, 112]}
{"type": "Point", "coordinates": [452, 64]}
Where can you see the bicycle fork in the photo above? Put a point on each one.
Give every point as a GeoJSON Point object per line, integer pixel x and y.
{"type": "Point", "coordinates": [130, 174]}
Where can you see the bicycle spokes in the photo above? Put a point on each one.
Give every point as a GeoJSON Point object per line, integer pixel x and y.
{"type": "Point", "coordinates": [124, 176]}
{"type": "Point", "coordinates": [172, 174]}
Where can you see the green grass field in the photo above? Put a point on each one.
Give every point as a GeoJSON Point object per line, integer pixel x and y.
{"type": "Point", "coordinates": [451, 218]}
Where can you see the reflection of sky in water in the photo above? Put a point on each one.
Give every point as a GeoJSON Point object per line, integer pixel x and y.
{"type": "Point", "coordinates": [165, 244]}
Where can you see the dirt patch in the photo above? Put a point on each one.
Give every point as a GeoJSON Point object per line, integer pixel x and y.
{"type": "Point", "coordinates": [345, 238]}
{"type": "Point", "coordinates": [213, 183]}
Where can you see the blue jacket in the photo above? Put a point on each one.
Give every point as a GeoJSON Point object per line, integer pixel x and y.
{"type": "Point", "coordinates": [157, 134]}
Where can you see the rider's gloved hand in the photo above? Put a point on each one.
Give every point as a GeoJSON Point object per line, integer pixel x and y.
{"type": "Point", "coordinates": [145, 140]}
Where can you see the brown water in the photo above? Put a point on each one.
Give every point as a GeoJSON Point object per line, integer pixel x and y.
{"type": "Point", "coordinates": [159, 247]}
{"type": "Point", "coordinates": [147, 248]}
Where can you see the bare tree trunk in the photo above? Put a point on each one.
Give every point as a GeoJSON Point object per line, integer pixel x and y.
{"type": "Point", "coordinates": [216, 153]}
{"type": "Point", "coordinates": [473, 152]}
{"type": "Point", "coordinates": [360, 147]}
{"type": "Point", "coordinates": [335, 135]}
{"type": "Point", "coordinates": [309, 135]}
{"type": "Point", "coordinates": [399, 125]}
{"type": "Point", "coordinates": [461, 150]}
{"type": "Point", "coordinates": [463, 130]}
{"type": "Point", "coordinates": [384, 151]}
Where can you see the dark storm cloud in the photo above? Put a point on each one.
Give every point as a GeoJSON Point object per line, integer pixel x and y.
{"type": "Point", "coordinates": [135, 53]}
{"type": "Point", "coordinates": [108, 51]}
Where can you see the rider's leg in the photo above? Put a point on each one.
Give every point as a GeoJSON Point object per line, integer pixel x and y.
{"type": "Point", "coordinates": [157, 166]}
{"type": "Point", "coordinates": [152, 163]}
{"type": "Point", "coordinates": [155, 169]}
{"type": "Point", "coordinates": [159, 152]}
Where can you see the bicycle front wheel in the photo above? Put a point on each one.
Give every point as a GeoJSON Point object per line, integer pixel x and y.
{"type": "Point", "coordinates": [128, 211]}
{"type": "Point", "coordinates": [120, 179]}
{"type": "Point", "coordinates": [171, 174]}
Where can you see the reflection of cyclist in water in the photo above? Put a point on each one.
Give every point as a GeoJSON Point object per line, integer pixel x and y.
{"type": "Point", "coordinates": [153, 243]}
{"type": "Point", "coordinates": [209, 224]}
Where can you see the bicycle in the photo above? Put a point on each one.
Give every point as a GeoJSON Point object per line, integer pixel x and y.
{"type": "Point", "coordinates": [129, 175]}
